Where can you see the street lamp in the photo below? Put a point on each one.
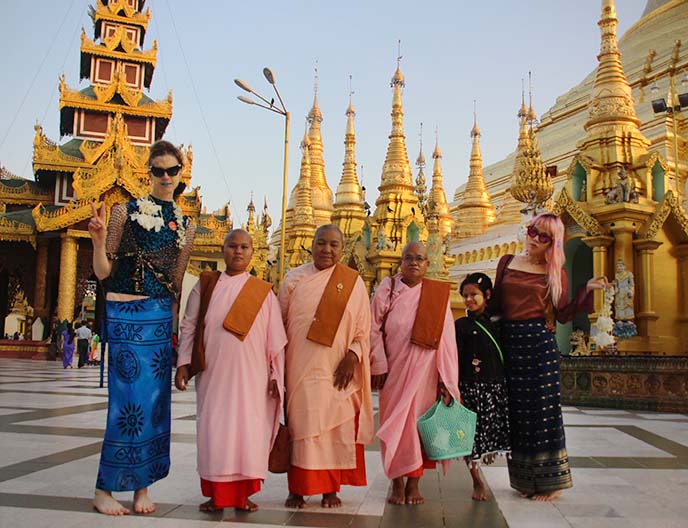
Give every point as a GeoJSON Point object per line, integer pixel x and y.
{"type": "Point", "coordinates": [281, 110]}
{"type": "Point", "coordinates": [672, 105]}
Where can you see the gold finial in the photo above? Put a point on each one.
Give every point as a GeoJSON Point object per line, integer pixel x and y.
{"type": "Point", "coordinates": [532, 116]}
{"type": "Point", "coordinates": [398, 78]}
{"type": "Point", "coordinates": [350, 110]}
{"type": "Point", "coordinates": [436, 153]}
{"type": "Point", "coordinates": [420, 161]}
{"type": "Point", "coordinates": [475, 131]}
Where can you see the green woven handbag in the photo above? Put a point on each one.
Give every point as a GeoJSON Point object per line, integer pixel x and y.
{"type": "Point", "coordinates": [447, 431]}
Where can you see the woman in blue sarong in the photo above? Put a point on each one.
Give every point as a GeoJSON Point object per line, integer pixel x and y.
{"type": "Point", "coordinates": [142, 253]}
{"type": "Point", "coordinates": [67, 346]}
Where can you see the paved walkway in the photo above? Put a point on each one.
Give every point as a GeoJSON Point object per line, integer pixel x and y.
{"type": "Point", "coordinates": [629, 470]}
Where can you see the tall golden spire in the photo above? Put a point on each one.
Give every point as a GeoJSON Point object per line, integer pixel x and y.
{"type": "Point", "coordinates": [303, 224]}
{"type": "Point", "coordinates": [530, 182]}
{"type": "Point", "coordinates": [421, 188]}
{"type": "Point", "coordinates": [321, 192]}
{"type": "Point", "coordinates": [251, 223]}
{"type": "Point", "coordinates": [475, 212]}
{"type": "Point", "coordinates": [613, 139]}
{"type": "Point", "coordinates": [612, 98]}
{"type": "Point", "coordinates": [397, 198]}
{"type": "Point", "coordinates": [437, 199]}
{"type": "Point", "coordinates": [349, 212]}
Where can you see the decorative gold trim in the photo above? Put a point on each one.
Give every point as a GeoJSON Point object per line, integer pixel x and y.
{"type": "Point", "coordinates": [110, 45]}
{"type": "Point", "coordinates": [11, 231]}
{"type": "Point", "coordinates": [24, 194]}
{"type": "Point", "coordinates": [668, 205]}
{"type": "Point", "coordinates": [75, 99]}
{"type": "Point", "coordinates": [104, 12]}
{"type": "Point", "coordinates": [73, 212]}
{"type": "Point", "coordinates": [564, 203]}
{"type": "Point", "coordinates": [47, 154]}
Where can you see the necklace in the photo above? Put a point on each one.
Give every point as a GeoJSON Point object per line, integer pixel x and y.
{"type": "Point", "coordinates": [531, 260]}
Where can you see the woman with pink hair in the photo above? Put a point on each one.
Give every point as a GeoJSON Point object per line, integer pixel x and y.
{"type": "Point", "coordinates": [531, 292]}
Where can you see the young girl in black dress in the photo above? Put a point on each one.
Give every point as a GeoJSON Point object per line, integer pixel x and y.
{"type": "Point", "coordinates": [481, 377]}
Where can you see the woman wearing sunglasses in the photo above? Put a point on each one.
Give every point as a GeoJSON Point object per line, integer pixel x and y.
{"type": "Point", "coordinates": [531, 292]}
{"type": "Point", "coordinates": [142, 253]}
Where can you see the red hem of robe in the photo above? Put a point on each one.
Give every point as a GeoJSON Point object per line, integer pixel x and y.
{"type": "Point", "coordinates": [309, 482]}
{"type": "Point", "coordinates": [427, 464]}
{"type": "Point", "coordinates": [230, 494]}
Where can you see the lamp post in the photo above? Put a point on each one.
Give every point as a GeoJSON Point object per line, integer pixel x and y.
{"type": "Point", "coordinates": [672, 106]}
{"type": "Point", "coordinates": [281, 110]}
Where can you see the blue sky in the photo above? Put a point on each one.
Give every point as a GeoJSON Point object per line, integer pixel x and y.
{"type": "Point", "coordinates": [453, 52]}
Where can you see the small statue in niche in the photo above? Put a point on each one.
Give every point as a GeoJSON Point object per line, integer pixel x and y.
{"type": "Point", "coordinates": [381, 237]}
{"type": "Point", "coordinates": [584, 191]}
{"type": "Point", "coordinates": [622, 191]}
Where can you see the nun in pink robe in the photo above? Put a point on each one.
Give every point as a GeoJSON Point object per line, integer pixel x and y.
{"type": "Point", "coordinates": [236, 420]}
{"type": "Point", "coordinates": [413, 372]}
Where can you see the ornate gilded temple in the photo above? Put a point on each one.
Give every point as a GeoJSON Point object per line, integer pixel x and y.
{"type": "Point", "coordinates": [616, 172]}
{"type": "Point", "coordinates": [45, 249]}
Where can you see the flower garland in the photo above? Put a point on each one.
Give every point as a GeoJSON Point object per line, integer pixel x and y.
{"type": "Point", "coordinates": [149, 216]}
{"type": "Point", "coordinates": [601, 331]}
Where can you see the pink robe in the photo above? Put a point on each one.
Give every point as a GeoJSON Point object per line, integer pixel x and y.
{"type": "Point", "coordinates": [413, 374]}
{"type": "Point", "coordinates": [236, 419]}
{"type": "Point", "coordinates": [321, 418]}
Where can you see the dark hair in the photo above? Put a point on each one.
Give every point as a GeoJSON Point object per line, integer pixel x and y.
{"type": "Point", "coordinates": [482, 281]}
{"type": "Point", "coordinates": [162, 147]}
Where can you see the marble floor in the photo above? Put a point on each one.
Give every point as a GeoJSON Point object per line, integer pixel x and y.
{"type": "Point", "coordinates": [630, 469]}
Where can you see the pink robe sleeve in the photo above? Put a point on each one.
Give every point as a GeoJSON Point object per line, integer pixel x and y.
{"type": "Point", "coordinates": [187, 328]}
{"type": "Point", "coordinates": [360, 338]}
{"type": "Point", "coordinates": [448, 356]}
{"type": "Point", "coordinates": [379, 305]}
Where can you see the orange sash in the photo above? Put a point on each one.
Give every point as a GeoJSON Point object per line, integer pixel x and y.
{"type": "Point", "coordinates": [332, 304]}
{"type": "Point", "coordinates": [429, 323]}
{"type": "Point", "coordinates": [246, 306]}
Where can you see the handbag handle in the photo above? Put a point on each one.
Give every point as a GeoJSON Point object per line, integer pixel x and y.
{"type": "Point", "coordinates": [499, 349]}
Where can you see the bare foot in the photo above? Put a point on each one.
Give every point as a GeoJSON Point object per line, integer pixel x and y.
{"type": "Point", "coordinates": [479, 492]}
{"type": "Point", "coordinates": [398, 495]}
{"type": "Point", "coordinates": [295, 501]}
{"type": "Point", "coordinates": [479, 489]}
{"type": "Point", "coordinates": [330, 500]}
{"type": "Point", "coordinates": [489, 458]}
{"type": "Point", "coordinates": [546, 497]}
{"type": "Point", "coordinates": [105, 503]}
{"type": "Point", "coordinates": [413, 495]}
{"type": "Point", "coordinates": [208, 506]}
{"type": "Point", "coordinates": [250, 506]}
{"type": "Point", "coordinates": [143, 504]}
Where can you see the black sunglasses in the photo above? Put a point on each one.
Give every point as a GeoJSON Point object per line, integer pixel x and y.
{"type": "Point", "coordinates": [543, 238]}
{"type": "Point", "coordinates": [159, 172]}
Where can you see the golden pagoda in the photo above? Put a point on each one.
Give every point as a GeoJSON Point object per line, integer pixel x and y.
{"type": "Point", "coordinates": [530, 181]}
{"type": "Point", "coordinates": [111, 124]}
{"type": "Point", "coordinates": [395, 221]}
{"type": "Point", "coordinates": [621, 201]}
{"type": "Point", "coordinates": [475, 211]}
{"type": "Point", "coordinates": [321, 194]}
{"type": "Point", "coordinates": [437, 199]}
{"type": "Point", "coordinates": [349, 209]}
{"type": "Point", "coordinates": [302, 227]}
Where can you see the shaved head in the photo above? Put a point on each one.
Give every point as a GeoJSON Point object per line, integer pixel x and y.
{"type": "Point", "coordinates": [328, 227]}
{"type": "Point", "coordinates": [414, 245]}
{"type": "Point", "coordinates": [236, 232]}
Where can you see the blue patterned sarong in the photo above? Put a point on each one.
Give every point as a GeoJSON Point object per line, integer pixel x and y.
{"type": "Point", "coordinates": [136, 447]}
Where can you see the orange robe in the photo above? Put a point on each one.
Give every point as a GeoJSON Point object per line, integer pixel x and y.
{"type": "Point", "coordinates": [328, 427]}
